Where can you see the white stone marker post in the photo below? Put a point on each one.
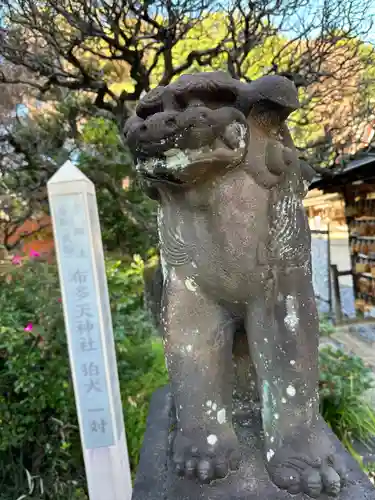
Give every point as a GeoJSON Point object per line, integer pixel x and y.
{"type": "Point", "coordinates": [90, 336]}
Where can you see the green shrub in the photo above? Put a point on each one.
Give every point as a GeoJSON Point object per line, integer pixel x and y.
{"type": "Point", "coordinates": [343, 382]}
{"type": "Point", "coordinates": [326, 327]}
{"type": "Point", "coordinates": [369, 468]}
{"type": "Point", "coordinates": [40, 452]}
{"type": "Point", "coordinates": [136, 397]}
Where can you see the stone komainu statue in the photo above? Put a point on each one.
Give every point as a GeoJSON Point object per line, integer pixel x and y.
{"type": "Point", "coordinates": [237, 309]}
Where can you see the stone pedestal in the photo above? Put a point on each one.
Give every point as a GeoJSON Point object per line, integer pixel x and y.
{"type": "Point", "coordinates": [156, 479]}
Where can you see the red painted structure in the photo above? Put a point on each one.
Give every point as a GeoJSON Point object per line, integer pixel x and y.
{"type": "Point", "coordinates": [30, 239]}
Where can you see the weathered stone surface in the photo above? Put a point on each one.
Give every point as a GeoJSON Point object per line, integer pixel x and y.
{"type": "Point", "coordinates": [156, 479]}
{"type": "Point", "coordinates": [237, 311]}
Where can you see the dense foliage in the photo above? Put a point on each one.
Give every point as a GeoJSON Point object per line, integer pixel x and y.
{"type": "Point", "coordinates": [127, 216]}
{"type": "Point", "coordinates": [326, 327]}
{"type": "Point", "coordinates": [344, 380]}
{"type": "Point", "coordinates": [40, 452]}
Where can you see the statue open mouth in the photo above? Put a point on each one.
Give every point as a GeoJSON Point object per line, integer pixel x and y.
{"type": "Point", "coordinates": [179, 164]}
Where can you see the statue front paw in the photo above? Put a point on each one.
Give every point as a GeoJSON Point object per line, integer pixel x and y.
{"type": "Point", "coordinates": [300, 473]}
{"type": "Point", "coordinates": [206, 456]}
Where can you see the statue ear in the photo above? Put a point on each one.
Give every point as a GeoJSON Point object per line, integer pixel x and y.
{"type": "Point", "coordinates": [273, 92]}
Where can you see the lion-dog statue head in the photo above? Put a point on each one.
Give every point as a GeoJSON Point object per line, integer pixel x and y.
{"type": "Point", "coordinates": [203, 119]}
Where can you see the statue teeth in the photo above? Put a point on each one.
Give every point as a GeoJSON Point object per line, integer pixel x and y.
{"type": "Point", "coordinates": [172, 152]}
{"type": "Point", "coordinates": [176, 159]}
{"type": "Point", "coordinates": [148, 165]}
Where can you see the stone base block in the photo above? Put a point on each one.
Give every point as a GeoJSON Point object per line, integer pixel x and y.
{"type": "Point", "coordinates": [156, 479]}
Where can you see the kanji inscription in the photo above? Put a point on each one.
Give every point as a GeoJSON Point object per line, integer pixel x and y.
{"type": "Point", "coordinates": [82, 302]}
